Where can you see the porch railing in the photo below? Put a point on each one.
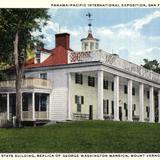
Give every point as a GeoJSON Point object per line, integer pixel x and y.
{"type": "Point", "coordinates": [41, 115]}
{"type": "Point", "coordinates": [28, 115]}
{"type": "Point", "coordinates": [80, 116]}
{"type": "Point", "coordinates": [108, 116]}
{"type": "Point", "coordinates": [28, 83]}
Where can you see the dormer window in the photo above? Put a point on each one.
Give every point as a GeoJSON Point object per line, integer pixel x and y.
{"type": "Point", "coordinates": [38, 56]}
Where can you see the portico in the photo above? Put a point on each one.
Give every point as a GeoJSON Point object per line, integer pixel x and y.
{"type": "Point", "coordinates": [125, 98]}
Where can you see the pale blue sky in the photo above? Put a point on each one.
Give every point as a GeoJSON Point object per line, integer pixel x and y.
{"type": "Point", "coordinates": [134, 33]}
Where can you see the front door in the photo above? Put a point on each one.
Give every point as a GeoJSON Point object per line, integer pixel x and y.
{"type": "Point", "coordinates": [90, 112]}
{"type": "Point", "coordinates": [120, 113]}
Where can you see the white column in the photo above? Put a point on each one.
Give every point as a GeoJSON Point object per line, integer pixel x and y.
{"type": "Point", "coordinates": [33, 106]}
{"type": "Point", "coordinates": [116, 98]}
{"type": "Point", "coordinates": [100, 95]}
{"type": "Point", "coordinates": [69, 117]}
{"type": "Point", "coordinates": [158, 106]}
{"type": "Point", "coordinates": [130, 100]}
{"type": "Point", "coordinates": [141, 102]}
{"type": "Point", "coordinates": [151, 103]}
{"type": "Point", "coordinates": [7, 106]}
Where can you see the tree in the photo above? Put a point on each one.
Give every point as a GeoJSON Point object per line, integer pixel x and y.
{"type": "Point", "coordinates": [16, 26]}
{"type": "Point", "coordinates": [152, 65]}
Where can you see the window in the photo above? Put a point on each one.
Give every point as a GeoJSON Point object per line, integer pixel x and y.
{"type": "Point", "coordinates": [79, 99]}
{"type": "Point", "coordinates": [43, 75]}
{"type": "Point", "coordinates": [78, 107]}
{"type": "Point", "coordinates": [125, 89]}
{"type": "Point", "coordinates": [43, 102]}
{"type": "Point", "coordinates": [86, 46]}
{"type": "Point", "coordinates": [147, 94]}
{"type": "Point", "coordinates": [40, 102]}
{"type": "Point", "coordinates": [38, 56]}
{"type": "Point", "coordinates": [112, 86]}
{"type": "Point", "coordinates": [105, 84]}
{"type": "Point", "coordinates": [133, 91]}
{"type": "Point", "coordinates": [3, 103]}
{"type": "Point", "coordinates": [25, 99]}
{"type": "Point", "coordinates": [91, 46]}
{"type": "Point", "coordinates": [106, 106]}
{"type": "Point", "coordinates": [91, 81]}
{"type": "Point", "coordinates": [112, 107]}
{"type": "Point", "coordinates": [78, 78]}
{"type": "Point", "coordinates": [37, 97]}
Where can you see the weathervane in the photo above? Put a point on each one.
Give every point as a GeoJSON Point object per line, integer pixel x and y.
{"type": "Point", "coordinates": [89, 20]}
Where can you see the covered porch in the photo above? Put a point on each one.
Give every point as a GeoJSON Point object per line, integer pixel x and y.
{"type": "Point", "coordinates": [34, 102]}
{"type": "Point", "coordinates": [34, 107]}
{"type": "Point", "coordinates": [100, 94]}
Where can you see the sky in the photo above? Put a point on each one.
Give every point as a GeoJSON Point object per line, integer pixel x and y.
{"type": "Point", "coordinates": [133, 33]}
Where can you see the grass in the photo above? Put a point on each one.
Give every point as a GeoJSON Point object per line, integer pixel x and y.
{"type": "Point", "coordinates": [85, 136]}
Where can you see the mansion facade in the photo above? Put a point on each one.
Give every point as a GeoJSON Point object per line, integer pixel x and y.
{"type": "Point", "coordinates": [61, 84]}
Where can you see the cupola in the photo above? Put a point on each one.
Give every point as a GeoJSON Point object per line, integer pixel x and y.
{"type": "Point", "coordinates": [89, 43]}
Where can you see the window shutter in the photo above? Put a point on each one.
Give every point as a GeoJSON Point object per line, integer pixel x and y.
{"type": "Point", "coordinates": [82, 99]}
{"type": "Point", "coordinates": [81, 79]}
{"type": "Point", "coordinates": [76, 99]}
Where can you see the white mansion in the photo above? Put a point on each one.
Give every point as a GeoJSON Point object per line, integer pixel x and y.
{"type": "Point", "coordinates": [61, 84]}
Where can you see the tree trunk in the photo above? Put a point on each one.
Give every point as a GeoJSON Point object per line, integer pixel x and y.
{"type": "Point", "coordinates": [18, 82]}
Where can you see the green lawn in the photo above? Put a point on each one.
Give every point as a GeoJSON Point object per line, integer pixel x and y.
{"type": "Point", "coordinates": [85, 136]}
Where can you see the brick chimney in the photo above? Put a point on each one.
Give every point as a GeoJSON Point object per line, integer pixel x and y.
{"type": "Point", "coordinates": [62, 39]}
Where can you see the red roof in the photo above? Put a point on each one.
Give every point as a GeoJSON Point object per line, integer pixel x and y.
{"type": "Point", "coordinates": [59, 55]}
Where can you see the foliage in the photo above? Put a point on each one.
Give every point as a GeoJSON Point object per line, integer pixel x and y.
{"type": "Point", "coordinates": [3, 68]}
{"type": "Point", "coordinates": [30, 53]}
{"type": "Point", "coordinates": [152, 65]}
{"type": "Point", "coordinates": [23, 21]}
{"type": "Point", "coordinates": [16, 26]}
{"type": "Point", "coordinates": [3, 76]}
{"type": "Point", "coordinates": [82, 137]}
